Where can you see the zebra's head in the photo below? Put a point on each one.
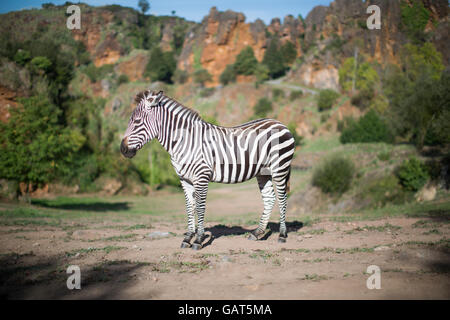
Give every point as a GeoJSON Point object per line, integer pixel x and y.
{"type": "Point", "coordinates": [142, 125]}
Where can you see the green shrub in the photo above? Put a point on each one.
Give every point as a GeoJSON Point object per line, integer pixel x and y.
{"type": "Point", "coordinates": [201, 76]}
{"type": "Point", "coordinates": [261, 73]}
{"type": "Point", "coordinates": [245, 62]}
{"type": "Point", "coordinates": [384, 156]}
{"type": "Point", "coordinates": [274, 60]}
{"type": "Point", "coordinates": [295, 95]}
{"type": "Point", "coordinates": [363, 99]}
{"type": "Point", "coordinates": [206, 92]}
{"type": "Point", "coordinates": [262, 107]}
{"type": "Point", "coordinates": [326, 99]}
{"type": "Point", "coordinates": [41, 63]}
{"type": "Point", "coordinates": [228, 75]}
{"type": "Point", "coordinates": [345, 123]}
{"type": "Point", "coordinates": [277, 93]}
{"type": "Point", "coordinates": [22, 57]}
{"type": "Point", "coordinates": [369, 128]}
{"type": "Point", "coordinates": [161, 65]}
{"type": "Point", "coordinates": [334, 175]}
{"type": "Point", "coordinates": [383, 190]}
{"type": "Point", "coordinates": [414, 18]}
{"type": "Point", "coordinates": [413, 174]}
{"type": "Point", "coordinates": [123, 78]}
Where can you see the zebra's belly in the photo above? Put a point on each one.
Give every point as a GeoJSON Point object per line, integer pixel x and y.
{"type": "Point", "coordinates": [238, 173]}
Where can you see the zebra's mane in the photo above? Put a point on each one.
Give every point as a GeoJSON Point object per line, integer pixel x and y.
{"type": "Point", "coordinates": [194, 113]}
{"type": "Point", "coordinates": [141, 95]}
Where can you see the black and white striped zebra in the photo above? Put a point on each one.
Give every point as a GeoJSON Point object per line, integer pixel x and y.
{"type": "Point", "coordinates": [202, 152]}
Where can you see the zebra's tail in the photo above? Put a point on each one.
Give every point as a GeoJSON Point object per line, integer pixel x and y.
{"type": "Point", "coordinates": [288, 182]}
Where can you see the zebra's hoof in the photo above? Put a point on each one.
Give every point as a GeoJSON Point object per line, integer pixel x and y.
{"type": "Point", "coordinates": [185, 245]}
{"type": "Point", "coordinates": [282, 240]}
{"type": "Point", "coordinates": [196, 246]}
{"type": "Point", "coordinates": [251, 236]}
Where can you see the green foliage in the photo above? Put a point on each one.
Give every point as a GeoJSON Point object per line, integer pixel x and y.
{"type": "Point", "coordinates": [274, 60]}
{"type": "Point", "coordinates": [144, 5]}
{"type": "Point", "coordinates": [418, 95]}
{"type": "Point", "coordinates": [289, 52]}
{"type": "Point", "coordinates": [369, 128]}
{"type": "Point", "coordinates": [201, 76]}
{"type": "Point", "coordinates": [246, 62]}
{"type": "Point", "coordinates": [292, 126]}
{"type": "Point", "coordinates": [413, 174]}
{"type": "Point", "coordinates": [383, 190]}
{"type": "Point", "coordinates": [334, 175]}
{"type": "Point", "coordinates": [414, 18]}
{"type": "Point", "coordinates": [206, 92]}
{"type": "Point", "coordinates": [326, 99]}
{"type": "Point", "coordinates": [345, 123]}
{"type": "Point", "coordinates": [98, 73]}
{"type": "Point", "coordinates": [228, 75]}
{"type": "Point", "coordinates": [365, 76]}
{"type": "Point", "coordinates": [41, 63]}
{"type": "Point", "coordinates": [35, 147]}
{"type": "Point", "coordinates": [363, 99]}
{"type": "Point", "coordinates": [262, 107]}
{"type": "Point", "coordinates": [123, 78]}
{"type": "Point", "coordinates": [295, 94]}
{"type": "Point", "coordinates": [22, 57]}
{"type": "Point", "coordinates": [277, 93]}
{"type": "Point", "coordinates": [261, 73]}
{"type": "Point", "coordinates": [161, 65]}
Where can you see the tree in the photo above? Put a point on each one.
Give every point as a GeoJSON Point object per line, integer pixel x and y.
{"type": "Point", "coordinates": [201, 76]}
{"type": "Point", "coordinates": [35, 147]}
{"type": "Point", "coordinates": [262, 107]}
{"type": "Point", "coordinates": [228, 75]}
{"type": "Point", "coordinates": [144, 5]}
{"type": "Point", "coordinates": [161, 65]}
{"type": "Point", "coordinates": [418, 93]}
{"type": "Point", "coordinates": [326, 99]}
{"type": "Point", "coordinates": [273, 59]}
{"type": "Point", "coordinates": [289, 52]}
{"type": "Point", "coordinates": [245, 62]}
{"type": "Point", "coordinates": [366, 76]}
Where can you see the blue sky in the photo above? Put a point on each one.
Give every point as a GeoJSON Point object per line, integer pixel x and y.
{"type": "Point", "coordinates": [195, 10]}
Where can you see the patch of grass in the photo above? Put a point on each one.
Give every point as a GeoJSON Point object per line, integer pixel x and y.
{"type": "Point", "coordinates": [314, 277]}
{"type": "Point", "coordinates": [432, 231]}
{"type": "Point", "coordinates": [106, 249]}
{"type": "Point", "coordinates": [125, 237]}
{"type": "Point", "coordinates": [386, 227]}
{"type": "Point", "coordinates": [26, 222]}
{"type": "Point", "coordinates": [23, 213]}
{"type": "Point", "coordinates": [138, 226]}
{"type": "Point", "coordinates": [314, 231]}
{"type": "Point", "coordinates": [261, 254]}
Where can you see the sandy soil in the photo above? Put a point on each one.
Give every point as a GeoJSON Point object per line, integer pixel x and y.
{"type": "Point", "coordinates": [322, 260]}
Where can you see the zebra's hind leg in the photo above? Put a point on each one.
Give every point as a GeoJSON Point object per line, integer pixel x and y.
{"type": "Point", "coordinates": [268, 197]}
{"type": "Point", "coordinates": [188, 189]}
{"type": "Point", "coordinates": [282, 185]}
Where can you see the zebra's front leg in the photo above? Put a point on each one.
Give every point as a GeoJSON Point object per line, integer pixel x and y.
{"type": "Point", "coordinates": [188, 189]}
{"type": "Point", "coordinates": [268, 197]}
{"type": "Point", "coordinates": [201, 190]}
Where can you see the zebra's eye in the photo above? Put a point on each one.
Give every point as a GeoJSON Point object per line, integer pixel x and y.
{"type": "Point", "coordinates": [136, 121]}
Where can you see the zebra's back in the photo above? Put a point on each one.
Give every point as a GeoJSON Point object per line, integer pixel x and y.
{"type": "Point", "coordinates": [237, 154]}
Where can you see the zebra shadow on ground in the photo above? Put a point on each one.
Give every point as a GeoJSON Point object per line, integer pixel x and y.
{"type": "Point", "coordinates": [221, 230]}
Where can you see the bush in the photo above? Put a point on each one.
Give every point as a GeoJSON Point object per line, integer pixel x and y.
{"type": "Point", "coordinates": [161, 65]}
{"type": "Point", "coordinates": [289, 52]}
{"type": "Point", "coordinates": [326, 99]}
{"type": "Point", "coordinates": [369, 128]}
{"type": "Point", "coordinates": [413, 174]}
{"type": "Point", "coordinates": [414, 19]}
{"type": "Point", "coordinates": [206, 92]}
{"type": "Point", "coordinates": [261, 73]}
{"type": "Point", "coordinates": [363, 99]}
{"type": "Point", "coordinates": [201, 76]}
{"type": "Point", "coordinates": [41, 63]}
{"type": "Point", "coordinates": [273, 59]}
{"type": "Point", "coordinates": [277, 94]}
{"type": "Point", "coordinates": [123, 78]}
{"type": "Point", "coordinates": [228, 75]}
{"type": "Point", "coordinates": [334, 175]}
{"type": "Point", "coordinates": [295, 95]}
{"type": "Point", "coordinates": [245, 62]}
{"type": "Point", "coordinates": [22, 57]}
{"type": "Point", "coordinates": [262, 107]}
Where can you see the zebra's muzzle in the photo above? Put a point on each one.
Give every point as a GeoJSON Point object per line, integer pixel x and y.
{"type": "Point", "coordinates": [127, 152]}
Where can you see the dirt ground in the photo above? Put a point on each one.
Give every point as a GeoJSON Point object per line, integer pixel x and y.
{"type": "Point", "coordinates": [121, 257]}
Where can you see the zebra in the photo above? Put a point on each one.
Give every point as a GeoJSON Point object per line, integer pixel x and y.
{"type": "Point", "coordinates": [202, 152]}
